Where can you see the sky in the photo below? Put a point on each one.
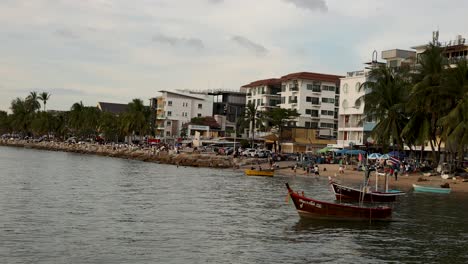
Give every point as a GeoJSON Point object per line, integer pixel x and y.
{"type": "Point", "coordinates": [116, 50]}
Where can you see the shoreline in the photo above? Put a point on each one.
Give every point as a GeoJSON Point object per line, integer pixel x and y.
{"type": "Point", "coordinates": [355, 178]}
{"type": "Point", "coordinates": [211, 160]}
{"type": "Point", "coordinates": [130, 152]}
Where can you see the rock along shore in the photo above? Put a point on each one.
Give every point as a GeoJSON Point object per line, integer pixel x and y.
{"type": "Point", "coordinates": [131, 152]}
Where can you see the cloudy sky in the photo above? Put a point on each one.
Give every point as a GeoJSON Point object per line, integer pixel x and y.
{"type": "Point", "coordinates": [116, 50]}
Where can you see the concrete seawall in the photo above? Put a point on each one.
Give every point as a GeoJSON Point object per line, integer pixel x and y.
{"type": "Point", "coordinates": [129, 152]}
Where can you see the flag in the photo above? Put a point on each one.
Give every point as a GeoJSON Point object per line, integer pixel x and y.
{"type": "Point", "coordinates": [395, 161]}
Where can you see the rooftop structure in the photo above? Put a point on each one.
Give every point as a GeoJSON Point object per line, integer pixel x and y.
{"type": "Point", "coordinates": [112, 107]}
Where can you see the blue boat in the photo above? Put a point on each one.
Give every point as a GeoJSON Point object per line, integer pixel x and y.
{"type": "Point", "coordinates": [430, 189]}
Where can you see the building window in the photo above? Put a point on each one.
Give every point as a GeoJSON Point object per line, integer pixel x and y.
{"type": "Point", "coordinates": [314, 88]}
{"type": "Point", "coordinates": [168, 123]}
{"type": "Point", "coordinates": [307, 124]}
{"type": "Point", "coordinates": [313, 100]}
{"type": "Point", "coordinates": [292, 99]}
{"type": "Point", "coordinates": [326, 112]}
{"type": "Point", "coordinates": [345, 88]}
{"type": "Point", "coordinates": [200, 106]}
{"type": "Point", "coordinates": [169, 103]}
{"type": "Point", "coordinates": [312, 112]}
{"type": "Point", "coordinates": [283, 100]}
{"type": "Point", "coordinates": [358, 86]}
{"type": "Point", "coordinates": [328, 100]}
{"type": "Point", "coordinates": [168, 133]}
{"type": "Point", "coordinates": [283, 88]}
{"type": "Point", "coordinates": [169, 113]}
{"type": "Point", "coordinates": [198, 115]}
{"type": "Point", "coordinates": [344, 104]}
{"type": "Point", "coordinates": [328, 88]}
{"type": "Point", "coordinates": [327, 125]}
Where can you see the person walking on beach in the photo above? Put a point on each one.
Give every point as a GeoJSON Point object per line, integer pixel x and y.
{"type": "Point", "coordinates": [316, 170]}
{"type": "Point", "coordinates": [341, 168]}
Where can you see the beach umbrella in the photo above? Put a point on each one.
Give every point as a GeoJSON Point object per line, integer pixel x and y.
{"type": "Point", "coordinates": [374, 156]}
{"type": "Point", "coordinates": [385, 156]}
{"type": "Point", "coordinates": [341, 151]}
{"type": "Point", "coordinates": [325, 149]}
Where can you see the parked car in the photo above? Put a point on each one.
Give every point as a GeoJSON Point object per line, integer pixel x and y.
{"type": "Point", "coordinates": [249, 152]}
{"type": "Point", "coordinates": [262, 153]}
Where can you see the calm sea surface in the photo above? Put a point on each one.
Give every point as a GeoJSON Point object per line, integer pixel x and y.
{"type": "Point", "coordinates": [69, 208]}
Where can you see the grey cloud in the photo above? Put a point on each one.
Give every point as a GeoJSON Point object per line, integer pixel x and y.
{"type": "Point", "coordinates": [310, 4]}
{"type": "Point", "coordinates": [65, 33]}
{"type": "Point", "coordinates": [174, 41]}
{"type": "Point", "coordinates": [249, 45]}
{"type": "Point", "coordinates": [215, 1]}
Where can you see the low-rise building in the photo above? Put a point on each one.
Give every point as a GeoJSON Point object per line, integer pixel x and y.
{"type": "Point", "coordinates": [174, 109]}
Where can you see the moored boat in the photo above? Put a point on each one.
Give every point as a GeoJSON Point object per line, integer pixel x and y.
{"type": "Point", "coordinates": [311, 208]}
{"type": "Point", "coordinates": [431, 189]}
{"type": "Point", "coordinates": [267, 173]}
{"type": "Point", "coordinates": [342, 192]}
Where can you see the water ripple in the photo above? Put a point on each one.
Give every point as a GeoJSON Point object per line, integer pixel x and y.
{"type": "Point", "coordinates": [70, 208]}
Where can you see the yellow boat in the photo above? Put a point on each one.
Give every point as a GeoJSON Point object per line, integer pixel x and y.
{"type": "Point", "coordinates": [268, 173]}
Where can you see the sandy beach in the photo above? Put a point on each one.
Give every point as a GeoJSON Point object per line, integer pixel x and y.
{"type": "Point", "coordinates": [354, 178]}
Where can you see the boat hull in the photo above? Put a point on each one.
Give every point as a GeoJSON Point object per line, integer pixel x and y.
{"type": "Point", "coordinates": [265, 173]}
{"type": "Point", "coordinates": [311, 208]}
{"type": "Point", "coordinates": [351, 194]}
{"type": "Point", "coordinates": [419, 188]}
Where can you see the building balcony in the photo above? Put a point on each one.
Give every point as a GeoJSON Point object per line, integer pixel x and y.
{"type": "Point", "coordinates": [293, 101]}
{"type": "Point", "coordinates": [294, 88]}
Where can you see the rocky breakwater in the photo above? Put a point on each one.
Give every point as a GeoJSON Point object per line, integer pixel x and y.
{"type": "Point", "coordinates": [131, 152]}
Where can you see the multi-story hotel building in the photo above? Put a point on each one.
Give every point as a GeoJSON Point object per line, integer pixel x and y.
{"type": "Point", "coordinates": [316, 97]}
{"type": "Point", "coordinates": [174, 109]}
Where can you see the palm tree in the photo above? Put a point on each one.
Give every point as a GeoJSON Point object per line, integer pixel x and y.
{"type": "Point", "coordinates": [278, 118]}
{"type": "Point", "coordinates": [32, 102]}
{"type": "Point", "coordinates": [44, 96]}
{"type": "Point", "coordinates": [455, 123]}
{"type": "Point", "coordinates": [385, 98]}
{"type": "Point", "coordinates": [136, 120]}
{"type": "Point", "coordinates": [429, 101]}
{"type": "Point", "coordinates": [4, 122]}
{"type": "Point", "coordinates": [251, 114]}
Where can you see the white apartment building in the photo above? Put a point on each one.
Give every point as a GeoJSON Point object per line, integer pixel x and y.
{"type": "Point", "coordinates": [316, 97]}
{"type": "Point", "coordinates": [175, 108]}
{"type": "Point", "coordinates": [353, 128]}
{"type": "Point", "coordinates": [264, 94]}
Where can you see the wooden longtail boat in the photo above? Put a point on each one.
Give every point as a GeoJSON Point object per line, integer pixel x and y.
{"type": "Point", "coordinates": [311, 208]}
{"type": "Point", "coordinates": [351, 194]}
{"type": "Point", "coordinates": [267, 173]}
{"type": "Point", "coordinates": [430, 189]}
